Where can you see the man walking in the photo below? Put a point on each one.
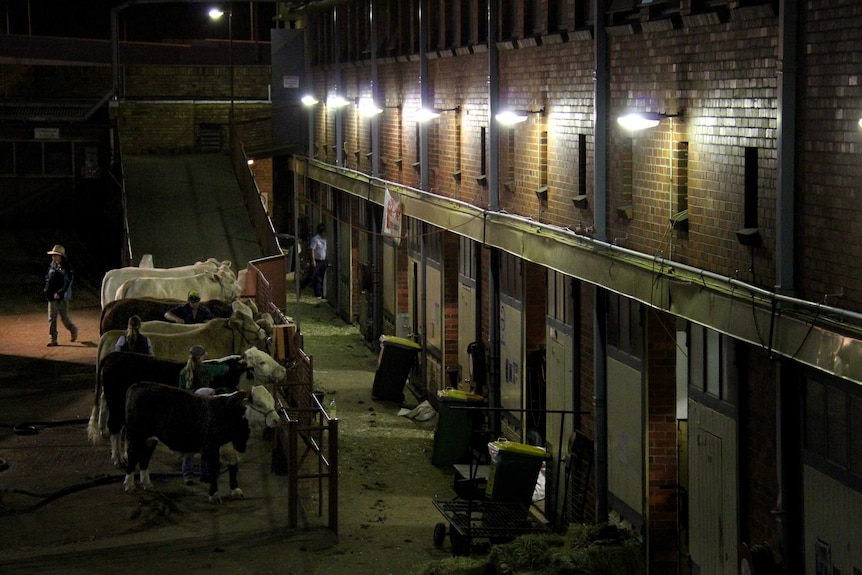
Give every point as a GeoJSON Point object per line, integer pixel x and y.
{"type": "Point", "coordinates": [58, 291]}
{"type": "Point", "coordinates": [318, 255]}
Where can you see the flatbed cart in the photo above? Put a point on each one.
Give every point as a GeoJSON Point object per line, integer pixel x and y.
{"type": "Point", "coordinates": [476, 515]}
{"type": "Point", "coordinates": [495, 521]}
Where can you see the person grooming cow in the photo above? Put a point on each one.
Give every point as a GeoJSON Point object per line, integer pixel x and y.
{"type": "Point", "coordinates": [191, 312]}
{"type": "Point", "coordinates": [58, 291]}
{"type": "Point", "coordinates": [197, 377]}
{"type": "Point", "coordinates": [133, 340]}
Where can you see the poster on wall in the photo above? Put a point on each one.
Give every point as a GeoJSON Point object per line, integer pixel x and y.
{"type": "Point", "coordinates": [391, 216]}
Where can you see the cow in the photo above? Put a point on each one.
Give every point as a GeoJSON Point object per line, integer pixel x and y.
{"type": "Point", "coordinates": [190, 423]}
{"type": "Point", "coordinates": [219, 337]}
{"type": "Point", "coordinates": [113, 279]}
{"type": "Point", "coordinates": [116, 314]}
{"type": "Point", "coordinates": [120, 370]}
{"type": "Point", "coordinates": [209, 284]}
{"type": "Point", "coordinates": [263, 366]}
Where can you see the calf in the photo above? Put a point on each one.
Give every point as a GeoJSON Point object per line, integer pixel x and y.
{"type": "Point", "coordinates": [119, 370]}
{"type": "Point", "coordinates": [189, 423]}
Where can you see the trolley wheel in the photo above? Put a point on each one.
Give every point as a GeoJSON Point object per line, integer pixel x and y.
{"type": "Point", "coordinates": [439, 534]}
{"type": "Point", "coordinates": [460, 544]}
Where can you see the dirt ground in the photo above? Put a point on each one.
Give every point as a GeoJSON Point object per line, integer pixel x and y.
{"type": "Point", "coordinates": [63, 509]}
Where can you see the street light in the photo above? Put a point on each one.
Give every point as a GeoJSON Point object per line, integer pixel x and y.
{"type": "Point", "coordinates": [216, 14]}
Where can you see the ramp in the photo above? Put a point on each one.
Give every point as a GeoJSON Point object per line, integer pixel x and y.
{"type": "Point", "coordinates": [187, 208]}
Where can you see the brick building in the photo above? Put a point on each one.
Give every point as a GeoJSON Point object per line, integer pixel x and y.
{"type": "Point", "coordinates": [686, 292]}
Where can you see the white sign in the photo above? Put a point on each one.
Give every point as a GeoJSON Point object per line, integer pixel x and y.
{"type": "Point", "coordinates": [290, 81]}
{"type": "Point", "coordinates": [392, 216]}
{"type": "Point", "coordinates": [46, 133]}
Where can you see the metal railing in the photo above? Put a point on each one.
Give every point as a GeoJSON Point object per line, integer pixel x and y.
{"type": "Point", "coordinates": [308, 444]}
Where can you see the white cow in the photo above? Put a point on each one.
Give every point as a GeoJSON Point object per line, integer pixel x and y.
{"type": "Point", "coordinates": [220, 285]}
{"type": "Point", "coordinates": [266, 369]}
{"type": "Point", "coordinates": [114, 278]}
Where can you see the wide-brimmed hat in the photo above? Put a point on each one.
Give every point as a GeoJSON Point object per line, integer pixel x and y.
{"type": "Point", "coordinates": [57, 250]}
{"type": "Point", "coordinates": [194, 295]}
{"type": "Point", "coordinates": [197, 351]}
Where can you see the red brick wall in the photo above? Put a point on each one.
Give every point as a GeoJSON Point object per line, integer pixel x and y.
{"type": "Point", "coordinates": [661, 441]}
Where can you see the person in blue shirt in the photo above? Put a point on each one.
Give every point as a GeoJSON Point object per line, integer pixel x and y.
{"type": "Point", "coordinates": [191, 312]}
{"type": "Point", "coordinates": [58, 291]}
{"type": "Point", "coordinates": [315, 276]}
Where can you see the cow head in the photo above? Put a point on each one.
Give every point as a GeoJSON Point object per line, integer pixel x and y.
{"type": "Point", "coordinates": [264, 366]}
{"type": "Point", "coordinates": [242, 321]}
{"type": "Point", "coordinates": [260, 408]}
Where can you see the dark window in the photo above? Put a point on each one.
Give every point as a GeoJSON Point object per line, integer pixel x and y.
{"type": "Point", "coordinates": [582, 164]}
{"type": "Point", "coordinates": [7, 158]}
{"type": "Point", "coordinates": [833, 423]}
{"type": "Point", "coordinates": [28, 159]}
{"type": "Point", "coordinates": [467, 257]}
{"type": "Point", "coordinates": [58, 158]}
{"type": "Point", "coordinates": [750, 193]}
{"type": "Point", "coordinates": [625, 331]}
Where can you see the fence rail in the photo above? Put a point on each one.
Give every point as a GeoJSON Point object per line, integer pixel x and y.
{"type": "Point", "coordinates": [308, 445]}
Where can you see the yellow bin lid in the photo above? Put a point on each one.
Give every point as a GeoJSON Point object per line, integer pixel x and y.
{"type": "Point", "coordinates": [402, 341]}
{"type": "Point", "coordinates": [520, 448]}
{"type": "Point", "coordinates": [452, 393]}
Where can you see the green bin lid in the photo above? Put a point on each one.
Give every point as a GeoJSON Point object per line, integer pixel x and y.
{"type": "Point", "coordinates": [457, 394]}
{"type": "Point", "coordinates": [520, 448]}
{"type": "Point", "coordinates": [403, 342]}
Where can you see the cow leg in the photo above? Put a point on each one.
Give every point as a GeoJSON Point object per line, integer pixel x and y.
{"type": "Point", "coordinates": [235, 491]}
{"type": "Point", "coordinates": [209, 455]}
{"type": "Point", "coordinates": [131, 463]}
{"type": "Point", "coordinates": [146, 454]}
{"type": "Point", "coordinates": [116, 450]}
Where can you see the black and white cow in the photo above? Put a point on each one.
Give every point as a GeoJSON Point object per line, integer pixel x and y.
{"type": "Point", "coordinates": [190, 423]}
{"type": "Point", "coordinates": [119, 370]}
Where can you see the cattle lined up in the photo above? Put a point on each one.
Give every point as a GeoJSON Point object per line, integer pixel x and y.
{"type": "Point", "coordinates": [139, 397]}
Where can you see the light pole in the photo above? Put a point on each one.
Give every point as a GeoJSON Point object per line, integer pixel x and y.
{"type": "Point", "coordinates": [215, 14]}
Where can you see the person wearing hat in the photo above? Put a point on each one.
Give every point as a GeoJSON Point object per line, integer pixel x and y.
{"type": "Point", "coordinates": [191, 312]}
{"type": "Point", "coordinates": [133, 340]}
{"type": "Point", "coordinates": [58, 291]}
{"type": "Point", "coordinates": [195, 377]}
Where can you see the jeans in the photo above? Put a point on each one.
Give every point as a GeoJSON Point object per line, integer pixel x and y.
{"type": "Point", "coordinates": [59, 307]}
{"type": "Point", "coordinates": [315, 277]}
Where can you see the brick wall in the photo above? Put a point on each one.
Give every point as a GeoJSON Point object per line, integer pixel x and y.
{"type": "Point", "coordinates": [661, 441]}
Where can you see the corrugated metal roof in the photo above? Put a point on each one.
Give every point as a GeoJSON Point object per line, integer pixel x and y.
{"type": "Point", "coordinates": [35, 112]}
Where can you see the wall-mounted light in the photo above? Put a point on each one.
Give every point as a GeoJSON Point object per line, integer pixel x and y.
{"type": "Point", "coordinates": [336, 101]}
{"type": "Point", "coordinates": [428, 114]}
{"type": "Point", "coordinates": [309, 100]}
{"type": "Point", "coordinates": [368, 108]}
{"type": "Point", "coordinates": [636, 121]}
{"type": "Point", "coordinates": [860, 122]}
{"type": "Point", "coordinates": [512, 117]}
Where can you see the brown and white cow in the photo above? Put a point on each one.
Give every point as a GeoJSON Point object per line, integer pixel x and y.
{"type": "Point", "coordinates": [120, 370]}
{"type": "Point", "coordinates": [190, 423]}
{"type": "Point", "coordinates": [116, 314]}
{"type": "Point", "coordinates": [219, 337]}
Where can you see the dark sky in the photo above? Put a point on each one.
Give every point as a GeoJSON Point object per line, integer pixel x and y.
{"type": "Point", "coordinates": [140, 22]}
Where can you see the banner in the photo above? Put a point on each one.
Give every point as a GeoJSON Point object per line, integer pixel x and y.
{"type": "Point", "coordinates": [392, 216]}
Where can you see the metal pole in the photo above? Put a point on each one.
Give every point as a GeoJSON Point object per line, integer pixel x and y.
{"type": "Point", "coordinates": [230, 53]}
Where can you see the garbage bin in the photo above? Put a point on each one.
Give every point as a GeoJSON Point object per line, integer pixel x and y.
{"type": "Point", "coordinates": [453, 435]}
{"type": "Point", "coordinates": [397, 357]}
{"type": "Point", "coordinates": [514, 471]}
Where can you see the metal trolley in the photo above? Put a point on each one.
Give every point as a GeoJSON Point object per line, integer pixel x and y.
{"type": "Point", "coordinates": [473, 515]}
{"type": "Point", "coordinates": [495, 521]}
